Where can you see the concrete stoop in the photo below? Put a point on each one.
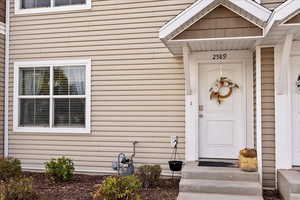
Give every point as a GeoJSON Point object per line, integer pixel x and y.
{"type": "Point", "coordinates": [218, 183]}
{"type": "Point", "coordinates": [289, 184]}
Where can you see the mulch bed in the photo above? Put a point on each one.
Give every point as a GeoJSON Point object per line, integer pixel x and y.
{"type": "Point", "coordinates": [82, 186]}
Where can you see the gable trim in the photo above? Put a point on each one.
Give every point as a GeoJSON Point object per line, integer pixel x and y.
{"type": "Point", "coordinates": [193, 11]}
{"type": "Point", "coordinates": [186, 28]}
{"type": "Point", "coordinates": [283, 12]}
{"type": "Point", "coordinates": [284, 23]}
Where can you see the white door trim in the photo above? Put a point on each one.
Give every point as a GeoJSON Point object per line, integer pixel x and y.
{"type": "Point", "coordinates": [192, 122]}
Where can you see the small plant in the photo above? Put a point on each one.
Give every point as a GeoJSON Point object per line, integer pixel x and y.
{"type": "Point", "coordinates": [118, 188]}
{"type": "Point", "coordinates": [9, 168]}
{"type": "Point", "coordinates": [60, 169]}
{"type": "Point", "coordinates": [17, 189]}
{"type": "Point", "coordinates": [149, 175]}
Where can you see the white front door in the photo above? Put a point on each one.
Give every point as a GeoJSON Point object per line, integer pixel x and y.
{"type": "Point", "coordinates": [222, 127]}
{"type": "Point", "coordinates": [296, 110]}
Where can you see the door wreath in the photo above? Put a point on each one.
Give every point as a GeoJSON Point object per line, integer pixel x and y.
{"type": "Point", "coordinates": [220, 84]}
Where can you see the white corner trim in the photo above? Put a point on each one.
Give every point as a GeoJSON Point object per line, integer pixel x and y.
{"type": "Point", "coordinates": [51, 63]}
{"type": "Point", "coordinates": [18, 9]}
{"type": "Point", "coordinates": [253, 8]}
{"type": "Point", "coordinates": [6, 81]}
{"type": "Point", "coordinates": [258, 111]}
{"type": "Point", "coordinates": [281, 83]}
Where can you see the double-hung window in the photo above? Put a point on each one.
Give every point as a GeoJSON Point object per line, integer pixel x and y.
{"type": "Point", "coordinates": [38, 6]}
{"type": "Point", "coordinates": [52, 96]}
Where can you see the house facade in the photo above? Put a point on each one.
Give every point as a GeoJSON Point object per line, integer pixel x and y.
{"type": "Point", "coordinates": [86, 78]}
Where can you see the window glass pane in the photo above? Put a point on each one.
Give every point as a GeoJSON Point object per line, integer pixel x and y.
{"type": "Point", "coordinates": [42, 77]}
{"type": "Point", "coordinates": [77, 112]}
{"type": "Point", "coordinates": [26, 85]}
{"type": "Point", "coordinates": [34, 112]}
{"type": "Point", "coordinates": [77, 80]}
{"type": "Point", "coordinates": [69, 112]}
{"type": "Point", "coordinates": [78, 2]}
{"type": "Point", "coordinates": [35, 3]}
{"type": "Point", "coordinates": [34, 81]}
{"type": "Point", "coordinates": [69, 80]}
{"type": "Point", "coordinates": [62, 2]}
{"type": "Point", "coordinates": [43, 3]}
{"type": "Point", "coordinates": [61, 82]}
{"type": "Point", "coordinates": [68, 2]}
{"type": "Point", "coordinates": [61, 112]}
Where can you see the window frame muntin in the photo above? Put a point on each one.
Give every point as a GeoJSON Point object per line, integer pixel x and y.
{"type": "Point", "coordinates": [52, 64]}
{"type": "Point", "coordinates": [52, 8]}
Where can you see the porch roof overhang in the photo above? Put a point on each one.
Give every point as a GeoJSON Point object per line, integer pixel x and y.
{"type": "Point", "coordinates": [247, 9]}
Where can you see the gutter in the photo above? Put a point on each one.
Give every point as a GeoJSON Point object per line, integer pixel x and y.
{"type": "Point", "coordinates": [6, 82]}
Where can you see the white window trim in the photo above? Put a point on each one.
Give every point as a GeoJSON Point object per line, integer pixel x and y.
{"type": "Point", "coordinates": [18, 65]}
{"type": "Point", "coordinates": [18, 10]}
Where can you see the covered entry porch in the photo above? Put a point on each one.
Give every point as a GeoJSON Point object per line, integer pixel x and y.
{"type": "Point", "coordinates": [250, 46]}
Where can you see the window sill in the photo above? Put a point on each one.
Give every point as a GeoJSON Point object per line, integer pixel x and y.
{"type": "Point", "coordinates": [51, 130]}
{"type": "Point", "coordinates": [53, 9]}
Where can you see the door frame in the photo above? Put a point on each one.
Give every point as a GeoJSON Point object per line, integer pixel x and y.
{"type": "Point", "coordinates": [192, 101]}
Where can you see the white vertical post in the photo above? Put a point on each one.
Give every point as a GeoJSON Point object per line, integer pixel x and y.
{"type": "Point", "coordinates": [258, 112]}
{"type": "Point", "coordinates": [186, 62]}
{"type": "Point", "coordinates": [282, 82]}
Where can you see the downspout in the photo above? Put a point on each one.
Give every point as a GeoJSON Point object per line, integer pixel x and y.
{"type": "Point", "coordinates": [6, 77]}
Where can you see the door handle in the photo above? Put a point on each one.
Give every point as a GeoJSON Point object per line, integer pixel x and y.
{"type": "Point", "coordinates": [201, 116]}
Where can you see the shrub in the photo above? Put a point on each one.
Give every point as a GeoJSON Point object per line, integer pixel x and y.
{"type": "Point", "coordinates": [118, 188]}
{"type": "Point", "coordinates": [60, 169]}
{"type": "Point", "coordinates": [9, 168]}
{"type": "Point", "coordinates": [17, 189]}
{"type": "Point", "coordinates": [149, 175]}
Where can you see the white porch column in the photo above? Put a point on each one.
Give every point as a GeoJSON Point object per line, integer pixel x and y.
{"type": "Point", "coordinates": [283, 118]}
{"type": "Point", "coordinates": [190, 106]}
{"type": "Point", "coordinates": [282, 82]}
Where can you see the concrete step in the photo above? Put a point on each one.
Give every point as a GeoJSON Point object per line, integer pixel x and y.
{"type": "Point", "coordinates": [204, 196]}
{"type": "Point", "coordinates": [218, 173]}
{"type": "Point", "coordinates": [294, 196]}
{"type": "Point", "coordinates": [220, 187]}
{"type": "Point", "coordinates": [289, 184]}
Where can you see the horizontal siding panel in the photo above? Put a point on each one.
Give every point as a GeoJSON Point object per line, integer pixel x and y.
{"type": "Point", "coordinates": [268, 117]}
{"type": "Point", "coordinates": [137, 85]}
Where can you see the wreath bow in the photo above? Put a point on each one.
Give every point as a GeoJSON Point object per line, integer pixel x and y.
{"type": "Point", "coordinates": [222, 82]}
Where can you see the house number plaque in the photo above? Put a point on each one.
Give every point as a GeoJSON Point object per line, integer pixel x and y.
{"type": "Point", "coordinates": [220, 56]}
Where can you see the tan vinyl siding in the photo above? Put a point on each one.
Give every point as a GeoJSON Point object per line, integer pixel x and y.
{"type": "Point", "coordinates": [294, 20]}
{"type": "Point", "coordinates": [272, 4]}
{"type": "Point", "coordinates": [268, 116]}
{"type": "Point", "coordinates": [2, 53]}
{"type": "Point", "coordinates": [2, 11]}
{"type": "Point", "coordinates": [137, 85]}
{"type": "Point", "coordinates": [220, 23]}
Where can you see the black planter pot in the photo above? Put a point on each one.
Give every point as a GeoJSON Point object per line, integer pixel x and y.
{"type": "Point", "coordinates": [175, 165]}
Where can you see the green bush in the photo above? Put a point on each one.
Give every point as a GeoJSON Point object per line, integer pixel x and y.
{"type": "Point", "coordinates": [9, 168]}
{"type": "Point", "coordinates": [17, 189]}
{"type": "Point", "coordinates": [60, 169]}
{"type": "Point", "coordinates": [118, 188]}
{"type": "Point", "coordinates": [149, 175]}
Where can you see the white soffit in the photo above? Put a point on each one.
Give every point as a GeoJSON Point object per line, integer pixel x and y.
{"type": "Point", "coordinates": [248, 9]}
